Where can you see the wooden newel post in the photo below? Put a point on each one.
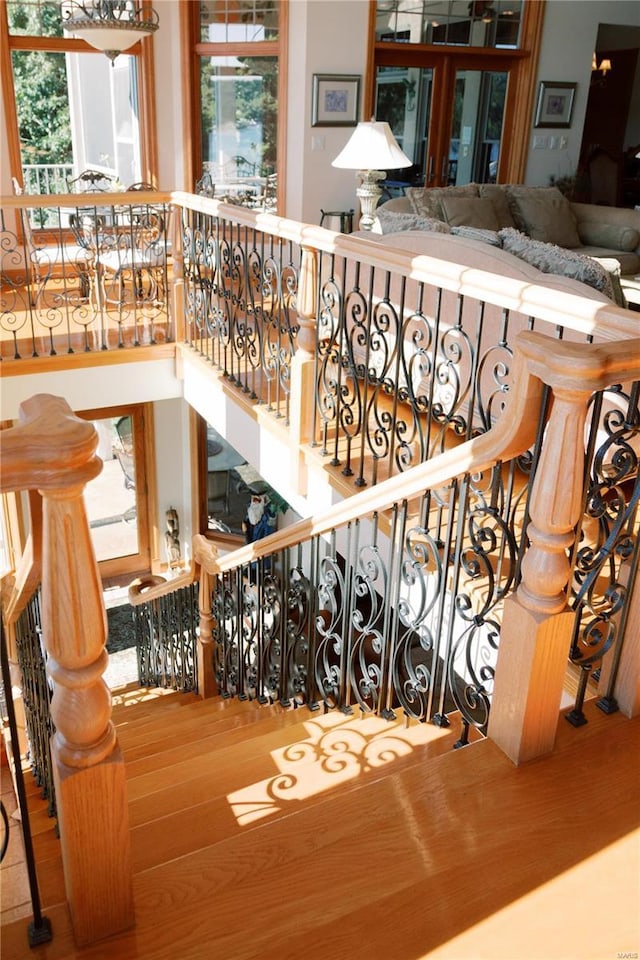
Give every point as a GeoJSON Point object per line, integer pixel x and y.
{"type": "Point", "coordinates": [536, 627]}
{"type": "Point", "coordinates": [302, 368]}
{"type": "Point", "coordinates": [205, 553]}
{"type": "Point", "coordinates": [53, 451]}
{"type": "Point", "coordinates": [88, 766]}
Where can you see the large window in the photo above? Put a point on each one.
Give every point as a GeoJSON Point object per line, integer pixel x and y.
{"type": "Point", "coordinates": [71, 108]}
{"type": "Point", "coordinates": [454, 80]}
{"type": "Point", "coordinates": [240, 92]}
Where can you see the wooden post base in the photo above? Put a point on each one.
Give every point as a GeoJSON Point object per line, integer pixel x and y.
{"type": "Point", "coordinates": [528, 684]}
{"type": "Point", "coordinates": [94, 832]}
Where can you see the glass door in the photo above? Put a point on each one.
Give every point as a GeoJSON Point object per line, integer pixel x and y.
{"type": "Point", "coordinates": [476, 127]}
{"type": "Point", "coordinates": [116, 500]}
{"type": "Point", "coordinates": [447, 118]}
{"type": "Point", "coordinates": [403, 100]}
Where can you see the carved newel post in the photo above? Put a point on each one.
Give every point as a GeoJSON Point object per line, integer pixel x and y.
{"type": "Point", "coordinates": [55, 451]}
{"type": "Point", "coordinates": [536, 628]}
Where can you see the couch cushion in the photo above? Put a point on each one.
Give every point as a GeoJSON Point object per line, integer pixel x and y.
{"type": "Point", "coordinates": [392, 222]}
{"type": "Point", "coordinates": [612, 235]}
{"type": "Point", "coordinates": [500, 201]}
{"type": "Point", "coordinates": [428, 202]}
{"type": "Point", "coordinates": [629, 262]}
{"type": "Point", "coordinates": [550, 258]}
{"type": "Point", "coordinates": [470, 212]}
{"type": "Point", "coordinates": [543, 213]}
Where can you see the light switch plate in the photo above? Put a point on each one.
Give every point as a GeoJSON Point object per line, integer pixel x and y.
{"type": "Point", "coordinates": [539, 143]}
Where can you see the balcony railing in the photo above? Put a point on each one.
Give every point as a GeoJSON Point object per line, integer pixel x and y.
{"type": "Point", "coordinates": [97, 277]}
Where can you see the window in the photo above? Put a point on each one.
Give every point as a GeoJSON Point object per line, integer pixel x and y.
{"type": "Point", "coordinates": [72, 110]}
{"type": "Point", "coordinates": [239, 87]}
{"type": "Point", "coordinates": [454, 80]}
{"type": "Point", "coordinates": [479, 23]}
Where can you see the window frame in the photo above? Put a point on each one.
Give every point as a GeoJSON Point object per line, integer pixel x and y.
{"type": "Point", "coordinates": [194, 49]}
{"type": "Point", "coordinates": [143, 51]}
{"type": "Point", "coordinates": [520, 63]}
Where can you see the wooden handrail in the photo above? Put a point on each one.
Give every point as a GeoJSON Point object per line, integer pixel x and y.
{"type": "Point", "coordinates": [527, 296]}
{"type": "Point", "coordinates": [147, 588]}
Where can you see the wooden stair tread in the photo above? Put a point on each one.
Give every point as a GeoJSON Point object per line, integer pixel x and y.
{"type": "Point", "coordinates": [189, 717]}
{"type": "Point", "coordinates": [272, 779]}
{"type": "Point", "coordinates": [144, 772]}
{"type": "Point", "coordinates": [414, 845]}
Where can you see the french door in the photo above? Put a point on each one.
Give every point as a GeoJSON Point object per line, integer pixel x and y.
{"type": "Point", "coordinates": [447, 111]}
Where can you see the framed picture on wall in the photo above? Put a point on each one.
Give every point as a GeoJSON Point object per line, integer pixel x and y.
{"type": "Point", "coordinates": [555, 104]}
{"type": "Point", "coordinates": [336, 99]}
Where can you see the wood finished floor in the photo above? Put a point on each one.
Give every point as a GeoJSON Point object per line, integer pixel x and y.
{"type": "Point", "coordinates": [284, 834]}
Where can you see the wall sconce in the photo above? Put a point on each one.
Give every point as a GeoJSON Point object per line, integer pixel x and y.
{"type": "Point", "coordinates": [111, 26]}
{"type": "Point", "coordinates": [603, 69]}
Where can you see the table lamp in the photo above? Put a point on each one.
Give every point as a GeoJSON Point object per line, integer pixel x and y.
{"type": "Point", "coordinates": [371, 150]}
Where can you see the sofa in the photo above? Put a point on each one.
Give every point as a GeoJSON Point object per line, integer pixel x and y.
{"type": "Point", "coordinates": [596, 245]}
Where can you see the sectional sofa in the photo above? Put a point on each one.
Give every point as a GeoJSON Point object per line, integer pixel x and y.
{"type": "Point", "coordinates": [597, 245]}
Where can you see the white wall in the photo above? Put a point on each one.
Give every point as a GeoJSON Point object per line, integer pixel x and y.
{"type": "Point", "coordinates": [173, 473]}
{"type": "Point", "coordinates": [325, 36]}
{"type": "Point", "coordinates": [569, 38]}
{"type": "Point", "coordinates": [168, 72]}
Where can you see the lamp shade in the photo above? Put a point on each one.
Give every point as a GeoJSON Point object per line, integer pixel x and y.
{"type": "Point", "coordinates": [372, 146]}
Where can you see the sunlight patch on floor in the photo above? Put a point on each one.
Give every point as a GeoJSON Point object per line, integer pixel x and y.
{"type": "Point", "coordinates": [337, 749]}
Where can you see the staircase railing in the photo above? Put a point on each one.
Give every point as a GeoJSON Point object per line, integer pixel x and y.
{"type": "Point", "coordinates": [53, 452]}
{"type": "Point", "coordinates": [94, 276]}
{"type": "Point", "coordinates": [166, 628]}
{"type": "Point", "coordinates": [405, 357]}
{"type": "Point", "coordinates": [394, 598]}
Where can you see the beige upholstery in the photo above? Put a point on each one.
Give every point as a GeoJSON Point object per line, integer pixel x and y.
{"type": "Point", "coordinates": [604, 232]}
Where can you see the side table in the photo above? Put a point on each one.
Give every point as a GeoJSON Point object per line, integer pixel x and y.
{"type": "Point", "coordinates": [344, 216]}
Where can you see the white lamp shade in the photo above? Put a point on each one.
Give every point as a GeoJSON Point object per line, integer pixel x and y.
{"type": "Point", "coordinates": [372, 146]}
{"type": "Point", "coordinates": [107, 38]}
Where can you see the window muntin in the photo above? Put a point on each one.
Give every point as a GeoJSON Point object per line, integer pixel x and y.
{"type": "Point", "coordinates": [479, 23]}
{"type": "Point", "coordinates": [238, 21]}
{"type": "Point", "coordinates": [34, 18]}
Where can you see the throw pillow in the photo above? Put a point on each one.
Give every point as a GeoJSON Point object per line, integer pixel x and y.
{"type": "Point", "coordinates": [550, 258]}
{"type": "Point", "coordinates": [470, 212]}
{"type": "Point", "coordinates": [428, 202]}
{"type": "Point", "coordinates": [474, 233]}
{"type": "Point", "coordinates": [392, 221]}
{"type": "Point", "coordinates": [544, 214]}
{"type": "Point", "coordinates": [612, 235]}
{"type": "Point", "coordinates": [499, 199]}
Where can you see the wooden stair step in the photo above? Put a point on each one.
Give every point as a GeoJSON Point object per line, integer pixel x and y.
{"type": "Point", "coordinates": [149, 774]}
{"type": "Point", "coordinates": [271, 777]}
{"type": "Point", "coordinates": [202, 712]}
{"type": "Point", "coordinates": [416, 822]}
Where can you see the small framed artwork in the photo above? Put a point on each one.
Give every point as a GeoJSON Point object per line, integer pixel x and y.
{"type": "Point", "coordinates": [336, 100]}
{"type": "Point", "coordinates": [555, 104]}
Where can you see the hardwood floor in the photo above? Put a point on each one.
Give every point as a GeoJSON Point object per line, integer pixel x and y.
{"type": "Point", "coordinates": [264, 833]}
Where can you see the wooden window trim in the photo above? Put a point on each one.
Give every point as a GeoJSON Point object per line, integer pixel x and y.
{"type": "Point", "coordinates": [143, 51]}
{"type": "Point", "coordinates": [521, 63]}
{"type": "Point", "coordinates": [191, 51]}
